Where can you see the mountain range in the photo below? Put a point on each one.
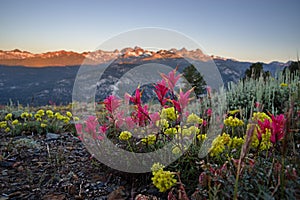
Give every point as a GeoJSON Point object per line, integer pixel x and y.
{"type": "Point", "coordinates": [30, 78]}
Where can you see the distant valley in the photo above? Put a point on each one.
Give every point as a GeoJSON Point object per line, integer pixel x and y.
{"type": "Point", "coordinates": [40, 79]}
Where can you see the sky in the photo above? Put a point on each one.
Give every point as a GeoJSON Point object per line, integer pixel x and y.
{"type": "Point", "coordinates": [258, 30]}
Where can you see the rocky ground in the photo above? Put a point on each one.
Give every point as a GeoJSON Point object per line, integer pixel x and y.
{"type": "Point", "coordinates": [58, 166]}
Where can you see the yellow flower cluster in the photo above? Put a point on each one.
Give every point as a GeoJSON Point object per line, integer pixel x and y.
{"type": "Point", "coordinates": [233, 112]}
{"type": "Point", "coordinates": [26, 115]}
{"type": "Point", "coordinates": [8, 117]}
{"type": "Point", "coordinates": [150, 139]}
{"type": "Point", "coordinates": [15, 122]}
{"type": "Point", "coordinates": [233, 121]}
{"type": "Point", "coordinates": [3, 124]}
{"type": "Point", "coordinates": [125, 135]}
{"type": "Point", "coordinates": [163, 180]}
{"type": "Point", "coordinates": [162, 123]}
{"type": "Point", "coordinates": [283, 85]}
{"type": "Point", "coordinates": [265, 143]}
{"type": "Point", "coordinates": [176, 150]}
{"type": "Point", "coordinates": [63, 118]}
{"type": "Point", "coordinates": [194, 119]}
{"type": "Point", "coordinates": [171, 131]}
{"type": "Point", "coordinates": [236, 142]}
{"type": "Point", "coordinates": [218, 144]}
{"type": "Point", "coordinates": [169, 114]}
{"type": "Point", "coordinates": [260, 116]}
{"type": "Point", "coordinates": [201, 137]}
{"type": "Point", "coordinates": [50, 113]}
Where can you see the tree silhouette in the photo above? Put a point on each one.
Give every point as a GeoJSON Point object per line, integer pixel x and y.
{"type": "Point", "coordinates": [255, 71]}
{"type": "Point", "coordinates": [194, 79]}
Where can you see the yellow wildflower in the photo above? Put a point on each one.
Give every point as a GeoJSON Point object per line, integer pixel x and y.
{"type": "Point", "coordinates": [8, 117]}
{"type": "Point", "coordinates": [260, 116]}
{"type": "Point", "coordinates": [41, 112]}
{"type": "Point", "coordinates": [233, 121]}
{"type": "Point", "coordinates": [169, 114]}
{"type": "Point", "coordinates": [233, 112]}
{"type": "Point", "coordinates": [171, 131]}
{"type": "Point", "coordinates": [125, 135]}
{"type": "Point", "coordinates": [24, 115]}
{"type": "Point", "coordinates": [15, 122]}
{"type": "Point", "coordinates": [69, 114]}
{"type": "Point", "coordinates": [150, 139]}
{"type": "Point", "coordinates": [162, 123]}
{"type": "Point", "coordinates": [3, 124]}
{"type": "Point", "coordinates": [163, 180]}
{"type": "Point", "coordinates": [7, 129]}
{"type": "Point", "coordinates": [156, 167]}
{"type": "Point", "coordinates": [43, 125]}
{"type": "Point", "coordinates": [195, 119]}
{"type": "Point", "coordinates": [201, 137]}
{"type": "Point", "coordinates": [283, 85]}
{"type": "Point", "coordinates": [218, 144]}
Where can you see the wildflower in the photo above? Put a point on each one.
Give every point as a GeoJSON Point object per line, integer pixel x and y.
{"type": "Point", "coordinates": [162, 123]}
{"type": "Point", "coordinates": [125, 135]}
{"type": "Point", "coordinates": [156, 167]}
{"type": "Point", "coordinates": [136, 99]}
{"type": "Point", "coordinates": [262, 128]}
{"type": "Point", "coordinates": [233, 122]}
{"type": "Point", "coordinates": [201, 137]}
{"type": "Point", "coordinates": [168, 114]}
{"type": "Point", "coordinates": [75, 118]}
{"type": "Point", "coordinates": [112, 103]}
{"type": "Point", "coordinates": [3, 124]}
{"type": "Point", "coordinates": [163, 180]}
{"type": "Point", "coordinates": [233, 112]}
{"type": "Point", "coordinates": [176, 150]}
{"type": "Point", "coordinates": [209, 112]}
{"type": "Point", "coordinates": [184, 98]}
{"type": "Point", "coordinates": [90, 126]}
{"type": "Point", "coordinates": [161, 91]}
{"type": "Point", "coordinates": [43, 125]}
{"type": "Point", "coordinates": [41, 112]}
{"type": "Point", "coordinates": [283, 84]}
{"type": "Point", "coordinates": [171, 79]}
{"type": "Point", "coordinates": [24, 115]}
{"type": "Point", "coordinates": [218, 144]}
{"type": "Point", "coordinates": [236, 142]}
{"type": "Point", "coordinates": [195, 119]}
{"type": "Point", "coordinates": [171, 131]}
{"type": "Point", "coordinates": [150, 139]}
{"type": "Point", "coordinates": [50, 113]}
{"type": "Point", "coordinates": [36, 116]}
{"type": "Point", "coordinates": [7, 130]}
{"type": "Point", "coordinates": [194, 130]}
{"type": "Point", "coordinates": [8, 116]}
{"type": "Point", "coordinates": [15, 122]}
{"type": "Point", "coordinates": [260, 116]}
{"type": "Point", "coordinates": [277, 128]}
{"type": "Point", "coordinates": [69, 114]}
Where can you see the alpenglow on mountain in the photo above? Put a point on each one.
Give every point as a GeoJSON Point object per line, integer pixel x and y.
{"type": "Point", "coordinates": [36, 79]}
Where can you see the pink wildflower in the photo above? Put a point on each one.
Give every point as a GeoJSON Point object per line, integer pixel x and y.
{"type": "Point", "coordinates": [184, 98]}
{"type": "Point", "coordinates": [112, 103]}
{"type": "Point", "coordinates": [171, 78]}
{"type": "Point", "coordinates": [278, 126]}
{"type": "Point", "coordinates": [161, 91]}
{"type": "Point", "coordinates": [263, 126]}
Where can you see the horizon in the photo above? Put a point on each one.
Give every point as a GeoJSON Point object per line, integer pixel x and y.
{"type": "Point", "coordinates": [211, 55]}
{"type": "Point", "coordinates": [245, 31]}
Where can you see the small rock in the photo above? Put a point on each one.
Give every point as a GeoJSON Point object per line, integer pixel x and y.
{"type": "Point", "coordinates": [20, 169]}
{"type": "Point", "coordinates": [4, 172]}
{"type": "Point", "coordinates": [52, 136]}
{"type": "Point", "coordinates": [6, 164]}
